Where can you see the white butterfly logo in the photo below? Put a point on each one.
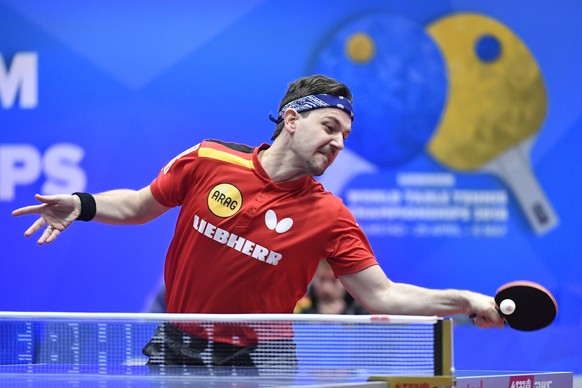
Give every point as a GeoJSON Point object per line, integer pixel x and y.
{"type": "Point", "coordinates": [278, 226]}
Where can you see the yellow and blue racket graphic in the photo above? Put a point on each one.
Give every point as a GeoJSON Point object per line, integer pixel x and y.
{"type": "Point", "coordinates": [496, 105]}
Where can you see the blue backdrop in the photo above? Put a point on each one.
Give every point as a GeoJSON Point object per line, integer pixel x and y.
{"type": "Point", "coordinates": [100, 96]}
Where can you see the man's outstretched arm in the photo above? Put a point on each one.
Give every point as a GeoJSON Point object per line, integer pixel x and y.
{"type": "Point", "coordinates": [379, 295]}
{"type": "Point", "coordinates": [123, 207]}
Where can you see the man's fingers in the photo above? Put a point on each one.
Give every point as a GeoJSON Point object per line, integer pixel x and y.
{"type": "Point", "coordinates": [49, 199]}
{"type": "Point", "coordinates": [44, 236]}
{"type": "Point", "coordinates": [53, 235]}
{"type": "Point", "coordinates": [486, 322]}
{"type": "Point", "coordinates": [34, 209]}
{"type": "Point", "coordinates": [482, 322]}
{"type": "Point", "coordinates": [48, 235]}
{"type": "Point", "coordinates": [46, 211]}
{"type": "Point", "coordinates": [39, 223]}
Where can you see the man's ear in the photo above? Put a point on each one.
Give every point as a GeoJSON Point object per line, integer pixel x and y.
{"type": "Point", "coordinates": [290, 117]}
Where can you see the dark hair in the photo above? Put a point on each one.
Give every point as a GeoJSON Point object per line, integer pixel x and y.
{"type": "Point", "coordinates": [315, 84]}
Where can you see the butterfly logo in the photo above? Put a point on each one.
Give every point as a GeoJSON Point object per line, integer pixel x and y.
{"type": "Point", "coordinates": [278, 226]}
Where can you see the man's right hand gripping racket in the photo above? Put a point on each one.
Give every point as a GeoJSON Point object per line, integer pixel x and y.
{"type": "Point", "coordinates": [525, 305]}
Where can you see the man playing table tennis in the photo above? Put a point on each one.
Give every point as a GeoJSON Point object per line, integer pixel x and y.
{"type": "Point", "coordinates": [254, 223]}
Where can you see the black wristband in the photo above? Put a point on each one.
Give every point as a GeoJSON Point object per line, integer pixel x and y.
{"type": "Point", "coordinates": [88, 206]}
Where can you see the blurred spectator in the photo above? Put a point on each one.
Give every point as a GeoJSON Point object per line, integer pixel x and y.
{"type": "Point", "coordinates": [327, 295]}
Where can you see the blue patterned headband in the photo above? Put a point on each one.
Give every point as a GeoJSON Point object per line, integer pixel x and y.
{"type": "Point", "coordinates": [316, 101]}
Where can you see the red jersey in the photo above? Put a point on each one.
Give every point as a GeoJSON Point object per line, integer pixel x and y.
{"type": "Point", "coordinates": [246, 244]}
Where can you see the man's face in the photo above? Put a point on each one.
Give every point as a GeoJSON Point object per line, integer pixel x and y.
{"type": "Point", "coordinates": [319, 137]}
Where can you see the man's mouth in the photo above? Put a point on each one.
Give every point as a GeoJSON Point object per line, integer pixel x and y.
{"type": "Point", "coordinates": [327, 155]}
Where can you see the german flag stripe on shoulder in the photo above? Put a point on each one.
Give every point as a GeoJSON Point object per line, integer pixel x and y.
{"type": "Point", "coordinates": [239, 154]}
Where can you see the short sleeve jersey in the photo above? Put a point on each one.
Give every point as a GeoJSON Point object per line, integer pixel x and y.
{"type": "Point", "coordinates": [246, 244]}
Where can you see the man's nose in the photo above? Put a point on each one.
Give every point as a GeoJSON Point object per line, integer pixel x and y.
{"type": "Point", "coordinates": [338, 141]}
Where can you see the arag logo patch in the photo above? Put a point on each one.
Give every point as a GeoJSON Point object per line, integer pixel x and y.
{"type": "Point", "coordinates": [224, 200]}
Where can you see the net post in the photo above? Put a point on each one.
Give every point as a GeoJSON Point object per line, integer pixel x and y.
{"type": "Point", "coordinates": [443, 348]}
{"type": "Point", "coordinates": [443, 362]}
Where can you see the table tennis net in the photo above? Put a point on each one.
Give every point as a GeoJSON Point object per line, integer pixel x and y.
{"type": "Point", "coordinates": [265, 343]}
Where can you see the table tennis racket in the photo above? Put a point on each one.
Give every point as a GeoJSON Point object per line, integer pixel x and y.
{"type": "Point", "coordinates": [525, 305]}
{"type": "Point", "coordinates": [496, 106]}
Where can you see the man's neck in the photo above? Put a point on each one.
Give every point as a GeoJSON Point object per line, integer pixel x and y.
{"type": "Point", "coordinates": [278, 165]}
